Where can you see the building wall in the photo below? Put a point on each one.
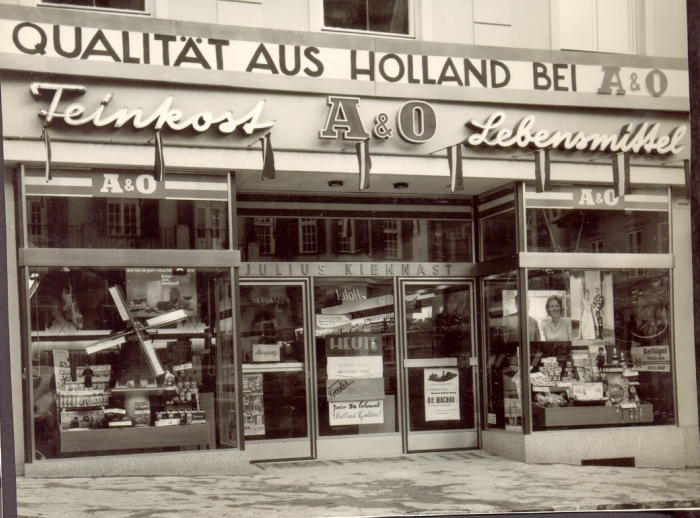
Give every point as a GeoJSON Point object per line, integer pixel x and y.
{"type": "Point", "coordinates": [507, 23]}
{"type": "Point", "coordinates": [499, 23]}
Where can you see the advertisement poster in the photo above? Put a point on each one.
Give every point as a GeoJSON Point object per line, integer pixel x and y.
{"type": "Point", "coordinates": [81, 419]}
{"type": "Point", "coordinates": [151, 292]}
{"type": "Point", "coordinates": [356, 412]}
{"type": "Point", "coordinates": [355, 388]}
{"type": "Point", "coordinates": [354, 356]}
{"type": "Point", "coordinates": [653, 358]}
{"type": "Point", "coordinates": [253, 410]}
{"type": "Point", "coordinates": [441, 394]}
{"type": "Point", "coordinates": [61, 367]}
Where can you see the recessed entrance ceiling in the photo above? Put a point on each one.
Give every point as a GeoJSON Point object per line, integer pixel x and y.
{"type": "Point", "coordinates": [310, 182]}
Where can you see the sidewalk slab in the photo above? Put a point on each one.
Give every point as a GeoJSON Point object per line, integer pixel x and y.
{"type": "Point", "coordinates": [454, 483]}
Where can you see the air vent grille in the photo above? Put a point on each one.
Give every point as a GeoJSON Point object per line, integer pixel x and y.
{"type": "Point", "coordinates": [620, 462]}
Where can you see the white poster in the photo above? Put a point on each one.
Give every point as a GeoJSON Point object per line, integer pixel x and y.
{"type": "Point", "coordinates": [266, 352]}
{"type": "Point", "coordinates": [441, 394]}
{"type": "Point", "coordinates": [356, 412]}
{"type": "Point", "coordinates": [353, 367]}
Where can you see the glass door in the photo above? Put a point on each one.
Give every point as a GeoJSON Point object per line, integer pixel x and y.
{"type": "Point", "coordinates": [274, 343]}
{"type": "Point", "coordinates": [439, 365]}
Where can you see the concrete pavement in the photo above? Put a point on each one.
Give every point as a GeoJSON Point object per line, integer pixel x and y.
{"type": "Point", "coordinates": [465, 482]}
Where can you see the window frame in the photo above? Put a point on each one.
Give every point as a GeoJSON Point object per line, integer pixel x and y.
{"type": "Point", "coordinates": [411, 24]}
{"type": "Point", "coordinates": [147, 8]}
{"type": "Point", "coordinates": [635, 21]}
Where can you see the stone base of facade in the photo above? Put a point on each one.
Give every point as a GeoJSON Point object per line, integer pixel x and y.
{"type": "Point", "coordinates": [181, 464]}
{"type": "Point", "coordinates": [667, 447]}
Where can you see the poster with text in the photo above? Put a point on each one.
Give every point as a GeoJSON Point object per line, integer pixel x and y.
{"type": "Point", "coordinates": [253, 410]}
{"type": "Point", "coordinates": [356, 412]}
{"type": "Point", "coordinates": [151, 292]}
{"type": "Point", "coordinates": [441, 394]}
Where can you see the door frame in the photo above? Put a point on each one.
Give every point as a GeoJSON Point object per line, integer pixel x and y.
{"type": "Point", "coordinates": [294, 448]}
{"type": "Point", "coordinates": [449, 439]}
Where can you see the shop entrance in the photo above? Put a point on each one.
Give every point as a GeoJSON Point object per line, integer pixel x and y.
{"type": "Point", "coordinates": [274, 346]}
{"type": "Point", "coordinates": [391, 367]}
{"type": "Point", "coordinates": [439, 365]}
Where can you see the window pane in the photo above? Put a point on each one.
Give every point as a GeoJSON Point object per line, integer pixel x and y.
{"type": "Point", "coordinates": [504, 399]}
{"type": "Point", "coordinates": [355, 340]}
{"type": "Point", "coordinates": [390, 16]}
{"type": "Point", "coordinates": [131, 5]}
{"type": "Point", "coordinates": [274, 379]}
{"type": "Point", "coordinates": [601, 231]}
{"type": "Point", "coordinates": [354, 240]}
{"type": "Point", "coordinates": [345, 14]}
{"type": "Point", "coordinates": [84, 222]}
{"type": "Point", "coordinates": [604, 358]}
{"type": "Point", "coordinates": [498, 235]}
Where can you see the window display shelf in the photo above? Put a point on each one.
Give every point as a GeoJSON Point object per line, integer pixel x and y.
{"type": "Point", "coordinates": [135, 437]}
{"type": "Point", "coordinates": [143, 437]}
{"type": "Point", "coordinates": [142, 390]}
{"type": "Point", "coordinates": [590, 415]}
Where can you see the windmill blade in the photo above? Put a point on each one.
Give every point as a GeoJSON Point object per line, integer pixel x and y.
{"type": "Point", "coordinates": [168, 318]}
{"type": "Point", "coordinates": [120, 302]}
{"type": "Point", "coordinates": [105, 344]}
{"type": "Point", "coordinates": [149, 352]}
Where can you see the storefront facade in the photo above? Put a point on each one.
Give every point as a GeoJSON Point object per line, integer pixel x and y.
{"type": "Point", "coordinates": [335, 254]}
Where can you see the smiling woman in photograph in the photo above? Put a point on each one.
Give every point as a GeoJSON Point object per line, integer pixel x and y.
{"type": "Point", "coordinates": [556, 328]}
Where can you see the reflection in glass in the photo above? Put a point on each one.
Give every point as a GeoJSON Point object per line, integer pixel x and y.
{"type": "Point", "coordinates": [90, 222]}
{"type": "Point", "coordinates": [502, 365]}
{"type": "Point", "coordinates": [353, 239]}
{"type": "Point", "coordinates": [498, 235]}
{"type": "Point", "coordinates": [356, 356]}
{"type": "Point", "coordinates": [616, 368]}
{"type": "Point", "coordinates": [272, 344]}
{"type": "Point", "coordinates": [103, 364]}
{"type": "Point", "coordinates": [597, 231]}
{"type": "Point", "coordinates": [366, 15]}
{"type": "Point", "coordinates": [439, 326]}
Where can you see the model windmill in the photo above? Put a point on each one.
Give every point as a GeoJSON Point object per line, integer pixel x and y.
{"type": "Point", "coordinates": [136, 331]}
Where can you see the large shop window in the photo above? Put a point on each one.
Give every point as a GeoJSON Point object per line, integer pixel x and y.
{"type": "Point", "coordinates": [592, 220]}
{"type": "Point", "coordinates": [131, 360]}
{"type": "Point", "coordinates": [126, 210]}
{"type": "Point", "coordinates": [387, 16]}
{"type": "Point", "coordinates": [356, 356]}
{"type": "Point", "coordinates": [603, 355]}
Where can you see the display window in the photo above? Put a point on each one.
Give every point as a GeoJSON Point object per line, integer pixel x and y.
{"type": "Point", "coordinates": [502, 373]}
{"type": "Point", "coordinates": [356, 356]}
{"type": "Point", "coordinates": [126, 210]}
{"type": "Point", "coordinates": [130, 360]}
{"type": "Point", "coordinates": [593, 220]}
{"type": "Point", "coordinates": [604, 354]}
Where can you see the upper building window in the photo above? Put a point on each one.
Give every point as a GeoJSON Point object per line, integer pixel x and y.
{"type": "Point", "coordinates": [388, 16]}
{"type": "Point", "coordinates": [121, 5]}
{"type": "Point", "coordinates": [600, 25]}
